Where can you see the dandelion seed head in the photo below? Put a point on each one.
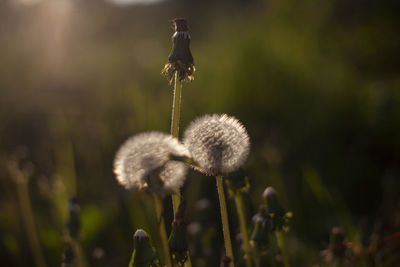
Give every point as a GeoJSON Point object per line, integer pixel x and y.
{"type": "Point", "coordinates": [218, 143]}
{"type": "Point", "coordinates": [142, 162]}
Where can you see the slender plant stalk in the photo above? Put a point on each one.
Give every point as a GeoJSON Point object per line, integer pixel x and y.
{"type": "Point", "coordinates": [176, 113]}
{"type": "Point", "coordinates": [281, 242]}
{"type": "Point", "coordinates": [224, 218]}
{"type": "Point", "coordinates": [188, 262]}
{"type": "Point", "coordinates": [161, 231]}
{"type": "Point", "coordinates": [243, 227]}
{"type": "Point", "coordinates": [80, 259]}
{"type": "Point", "coordinates": [257, 256]}
{"type": "Point", "coordinates": [27, 214]}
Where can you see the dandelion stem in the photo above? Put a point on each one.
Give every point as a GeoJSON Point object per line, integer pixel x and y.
{"type": "Point", "coordinates": [188, 262]}
{"type": "Point", "coordinates": [281, 242]}
{"type": "Point", "coordinates": [27, 214]}
{"type": "Point", "coordinates": [243, 227]}
{"type": "Point", "coordinates": [256, 251]}
{"type": "Point", "coordinates": [78, 251]}
{"type": "Point", "coordinates": [21, 179]}
{"type": "Point", "coordinates": [161, 230]}
{"type": "Point", "coordinates": [224, 219]}
{"type": "Point", "coordinates": [176, 111]}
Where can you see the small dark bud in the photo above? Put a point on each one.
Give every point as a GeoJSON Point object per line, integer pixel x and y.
{"type": "Point", "coordinates": [277, 214]}
{"type": "Point", "coordinates": [226, 261]}
{"type": "Point", "coordinates": [180, 59]}
{"type": "Point", "coordinates": [338, 244]}
{"type": "Point", "coordinates": [238, 182]}
{"type": "Point", "coordinates": [73, 223]}
{"type": "Point", "coordinates": [67, 257]}
{"type": "Point", "coordinates": [262, 228]}
{"type": "Point", "coordinates": [337, 248]}
{"type": "Point", "coordinates": [177, 240]}
{"type": "Point", "coordinates": [144, 253]}
{"type": "Point", "coordinates": [140, 236]}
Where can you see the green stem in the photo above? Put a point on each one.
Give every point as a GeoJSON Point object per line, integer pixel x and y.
{"type": "Point", "coordinates": [79, 255]}
{"type": "Point", "coordinates": [281, 243]}
{"type": "Point", "coordinates": [256, 251]}
{"type": "Point", "coordinates": [27, 214]}
{"type": "Point", "coordinates": [161, 231]}
{"type": "Point", "coordinates": [176, 111]}
{"type": "Point", "coordinates": [188, 262]}
{"type": "Point", "coordinates": [224, 219]}
{"type": "Point", "coordinates": [243, 228]}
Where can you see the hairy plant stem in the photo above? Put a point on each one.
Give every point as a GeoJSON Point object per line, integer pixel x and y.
{"type": "Point", "coordinates": [243, 228]}
{"type": "Point", "coordinates": [176, 112]}
{"type": "Point", "coordinates": [281, 243]}
{"type": "Point", "coordinates": [161, 230]}
{"type": "Point", "coordinates": [224, 219]}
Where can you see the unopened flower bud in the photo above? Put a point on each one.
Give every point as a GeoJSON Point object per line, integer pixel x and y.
{"type": "Point", "coordinates": [261, 228]}
{"type": "Point", "coordinates": [74, 222]}
{"type": "Point", "coordinates": [67, 257]}
{"type": "Point", "coordinates": [277, 214]}
{"type": "Point", "coordinates": [177, 240]}
{"type": "Point", "coordinates": [143, 253]}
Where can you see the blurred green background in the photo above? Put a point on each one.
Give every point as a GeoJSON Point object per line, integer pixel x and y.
{"type": "Point", "coordinates": [316, 83]}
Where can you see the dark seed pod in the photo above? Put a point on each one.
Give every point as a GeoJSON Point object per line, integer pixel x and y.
{"type": "Point", "coordinates": [180, 59]}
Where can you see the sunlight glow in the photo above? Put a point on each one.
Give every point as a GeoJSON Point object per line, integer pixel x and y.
{"type": "Point", "coordinates": [134, 2]}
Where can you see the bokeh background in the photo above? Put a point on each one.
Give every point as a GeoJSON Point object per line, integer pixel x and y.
{"type": "Point", "coordinates": [316, 83]}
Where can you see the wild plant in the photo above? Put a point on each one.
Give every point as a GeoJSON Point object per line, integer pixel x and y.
{"type": "Point", "coordinates": [215, 145]}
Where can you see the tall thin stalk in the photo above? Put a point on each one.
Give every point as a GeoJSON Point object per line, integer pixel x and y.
{"type": "Point", "coordinates": [243, 227]}
{"type": "Point", "coordinates": [281, 243]}
{"type": "Point", "coordinates": [21, 179]}
{"type": "Point", "coordinates": [176, 112]}
{"type": "Point", "coordinates": [224, 219]}
{"type": "Point", "coordinates": [161, 230]}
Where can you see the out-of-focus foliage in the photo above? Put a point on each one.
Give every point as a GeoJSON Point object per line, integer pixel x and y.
{"type": "Point", "coordinates": [316, 83]}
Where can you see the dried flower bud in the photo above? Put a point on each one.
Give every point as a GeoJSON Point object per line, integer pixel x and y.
{"type": "Point", "coordinates": [180, 59]}
{"type": "Point", "coordinates": [143, 162]}
{"type": "Point", "coordinates": [219, 144]}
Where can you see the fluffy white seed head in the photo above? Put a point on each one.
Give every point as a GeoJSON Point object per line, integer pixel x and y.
{"type": "Point", "coordinates": [142, 162]}
{"type": "Point", "coordinates": [218, 143]}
